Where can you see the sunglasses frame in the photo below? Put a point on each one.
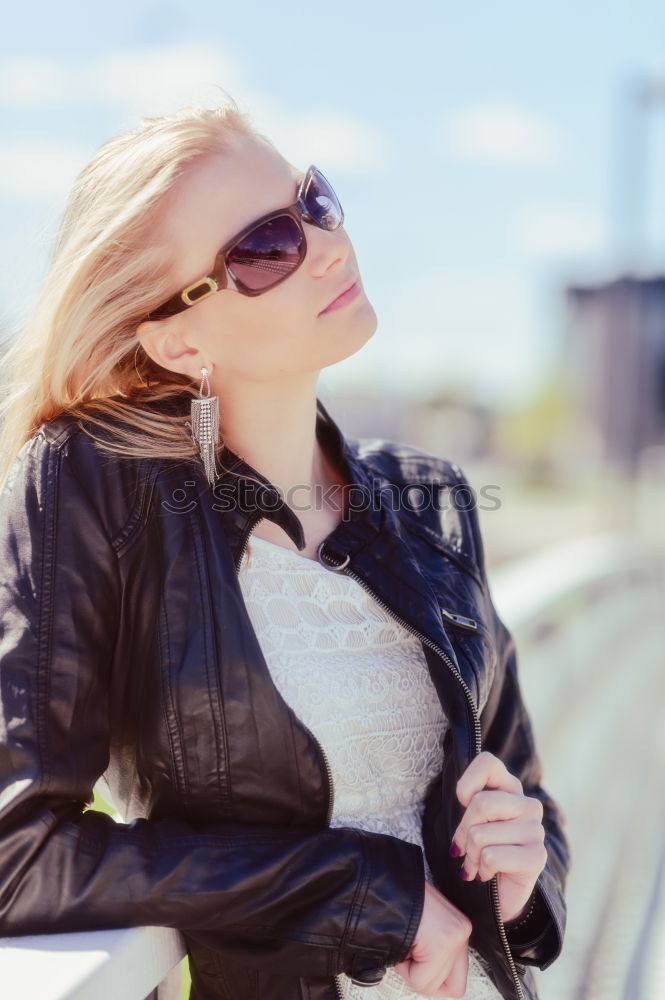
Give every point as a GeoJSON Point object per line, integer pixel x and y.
{"type": "Point", "coordinates": [218, 278]}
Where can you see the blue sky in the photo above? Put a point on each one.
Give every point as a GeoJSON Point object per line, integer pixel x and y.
{"type": "Point", "coordinates": [473, 146]}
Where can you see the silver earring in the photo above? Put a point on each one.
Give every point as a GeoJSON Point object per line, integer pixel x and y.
{"type": "Point", "coordinates": [205, 426]}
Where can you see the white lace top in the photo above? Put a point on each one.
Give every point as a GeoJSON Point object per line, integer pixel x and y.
{"type": "Point", "coordinates": [360, 682]}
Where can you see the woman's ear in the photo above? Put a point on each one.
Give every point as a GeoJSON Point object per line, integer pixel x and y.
{"type": "Point", "coordinates": [165, 345]}
{"type": "Point", "coordinates": [148, 335]}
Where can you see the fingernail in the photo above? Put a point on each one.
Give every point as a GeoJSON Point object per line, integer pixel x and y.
{"type": "Point", "coordinates": [454, 851]}
{"type": "Point", "coordinates": [463, 873]}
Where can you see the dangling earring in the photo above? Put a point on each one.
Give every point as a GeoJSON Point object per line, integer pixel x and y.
{"type": "Point", "coordinates": [205, 426]}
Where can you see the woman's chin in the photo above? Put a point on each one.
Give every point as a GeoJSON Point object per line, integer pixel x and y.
{"type": "Point", "coordinates": [352, 335]}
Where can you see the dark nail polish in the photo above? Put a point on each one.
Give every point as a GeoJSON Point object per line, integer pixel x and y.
{"type": "Point", "coordinates": [463, 874]}
{"type": "Point", "coordinates": [454, 851]}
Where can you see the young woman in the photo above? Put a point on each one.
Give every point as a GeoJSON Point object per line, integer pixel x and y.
{"type": "Point", "coordinates": [275, 644]}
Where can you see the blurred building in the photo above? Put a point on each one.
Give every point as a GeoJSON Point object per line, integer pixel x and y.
{"type": "Point", "coordinates": [615, 356]}
{"type": "Point", "coordinates": [450, 424]}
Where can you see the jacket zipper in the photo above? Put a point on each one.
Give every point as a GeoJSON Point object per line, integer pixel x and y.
{"type": "Point", "coordinates": [459, 619]}
{"type": "Point", "coordinates": [322, 753]}
{"type": "Point", "coordinates": [464, 624]}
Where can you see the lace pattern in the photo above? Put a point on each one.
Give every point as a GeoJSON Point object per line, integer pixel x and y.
{"type": "Point", "coordinates": [368, 698]}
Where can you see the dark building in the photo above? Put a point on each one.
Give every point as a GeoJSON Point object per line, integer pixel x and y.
{"type": "Point", "coordinates": [614, 353]}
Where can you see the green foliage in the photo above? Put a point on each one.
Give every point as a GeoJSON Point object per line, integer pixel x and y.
{"type": "Point", "coordinates": [100, 805]}
{"type": "Point", "coordinates": [536, 434]}
{"type": "Point", "coordinates": [186, 979]}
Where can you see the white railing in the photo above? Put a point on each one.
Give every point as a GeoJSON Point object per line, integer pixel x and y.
{"type": "Point", "coordinates": [588, 619]}
{"type": "Point", "coordinates": [95, 965]}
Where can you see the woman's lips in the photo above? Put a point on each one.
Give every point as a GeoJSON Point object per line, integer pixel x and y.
{"type": "Point", "coordinates": [341, 300]}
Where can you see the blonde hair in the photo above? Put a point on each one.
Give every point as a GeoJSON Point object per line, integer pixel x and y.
{"type": "Point", "coordinates": [77, 353]}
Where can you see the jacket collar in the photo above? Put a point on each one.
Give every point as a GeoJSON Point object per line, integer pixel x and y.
{"type": "Point", "coordinates": [248, 494]}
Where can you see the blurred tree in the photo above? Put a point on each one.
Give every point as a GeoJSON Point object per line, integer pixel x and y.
{"type": "Point", "coordinates": [533, 435]}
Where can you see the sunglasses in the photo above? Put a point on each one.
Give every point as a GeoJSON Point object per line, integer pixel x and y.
{"type": "Point", "coordinates": [267, 251]}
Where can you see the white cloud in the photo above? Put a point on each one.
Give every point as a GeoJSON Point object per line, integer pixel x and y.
{"type": "Point", "coordinates": [500, 133]}
{"type": "Point", "coordinates": [27, 81]}
{"type": "Point", "coordinates": [35, 170]}
{"type": "Point", "coordinates": [147, 79]}
{"type": "Point", "coordinates": [156, 80]}
{"type": "Point", "coordinates": [543, 230]}
{"type": "Point", "coordinates": [333, 139]}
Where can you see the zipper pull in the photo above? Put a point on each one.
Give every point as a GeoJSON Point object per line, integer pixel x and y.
{"type": "Point", "coordinates": [460, 620]}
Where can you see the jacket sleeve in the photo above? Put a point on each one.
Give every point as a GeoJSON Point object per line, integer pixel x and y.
{"type": "Point", "coordinates": [535, 938]}
{"type": "Point", "coordinates": [316, 901]}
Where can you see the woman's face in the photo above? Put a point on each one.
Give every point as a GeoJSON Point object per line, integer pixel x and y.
{"type": "Point", "coordinates": [279, 333]}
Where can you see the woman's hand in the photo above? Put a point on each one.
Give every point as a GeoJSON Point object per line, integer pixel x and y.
{"type": "Point", "coordinates": [438, 963]}
{"type": "Point", "coordinates": [501, 832]}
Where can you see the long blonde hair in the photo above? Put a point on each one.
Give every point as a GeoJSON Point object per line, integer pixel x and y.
{"type": "Point", "coordinates": [78, 352]}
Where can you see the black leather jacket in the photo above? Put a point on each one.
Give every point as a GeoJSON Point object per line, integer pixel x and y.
{"type": "Point", "coordinates": [126, 652]}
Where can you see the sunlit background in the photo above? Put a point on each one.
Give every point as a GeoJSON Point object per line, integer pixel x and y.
{"type": "Point", "coordinates": [502, 172]}
{"type": "Point", "coordinates": [501, 168]}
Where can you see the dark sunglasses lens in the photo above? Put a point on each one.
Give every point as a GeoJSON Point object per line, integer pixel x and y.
{"type": "Point", "coordinates": [268, 254]}
{"type": "Point", "coordinates": [322, 202]}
